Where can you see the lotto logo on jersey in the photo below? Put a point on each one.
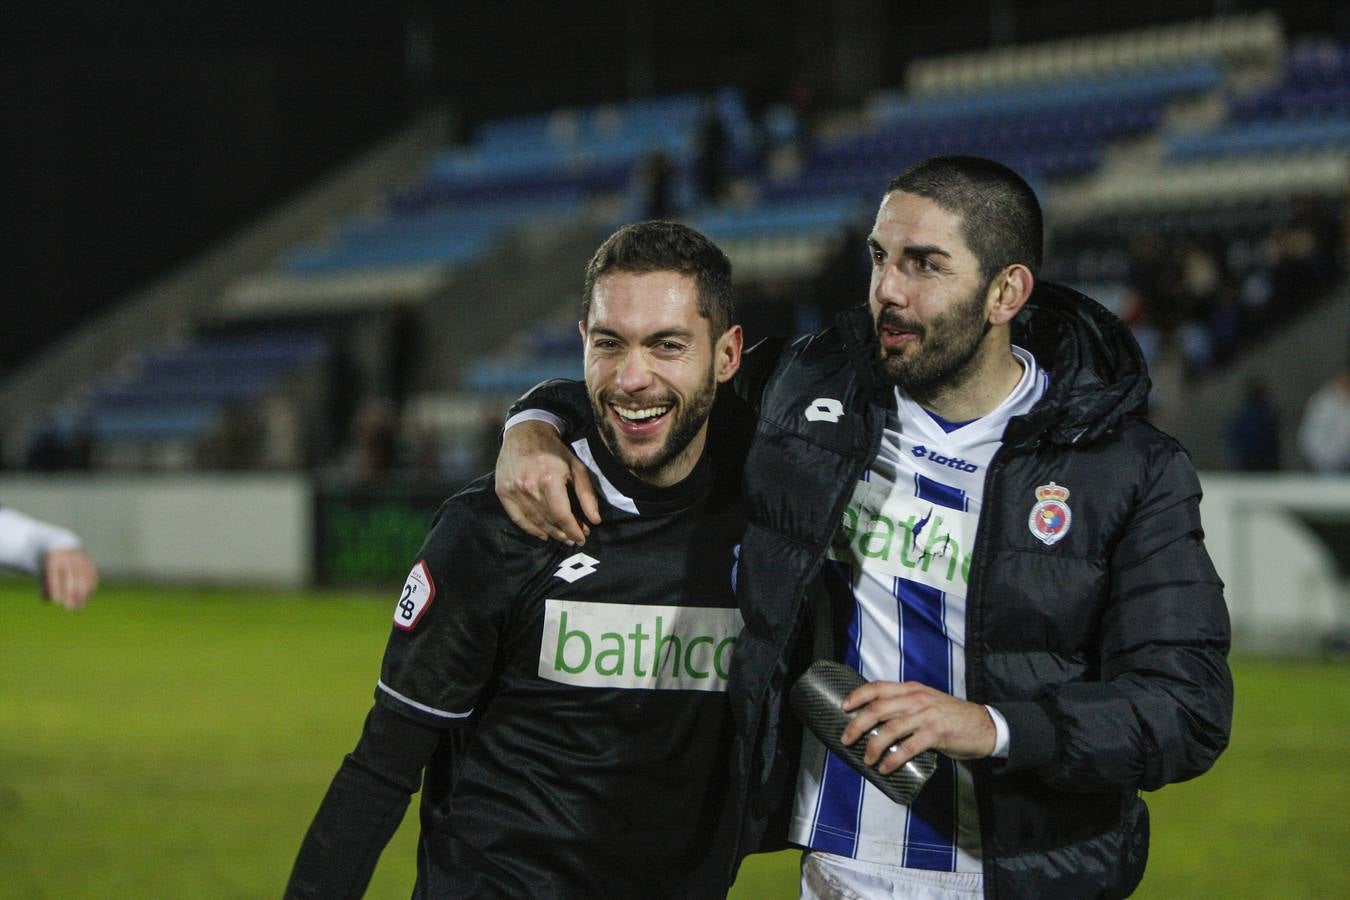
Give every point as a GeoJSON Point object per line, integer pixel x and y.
{"type": "Point", "coordinates": [418, 592]}
{"type": "Point", "coordinates": [951, 462]}
{"type": "Point", "coordinates": [616, 645]}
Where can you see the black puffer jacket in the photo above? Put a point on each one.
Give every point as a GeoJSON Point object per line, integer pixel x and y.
{"type": "Point", "coordinates": [1106, 651]}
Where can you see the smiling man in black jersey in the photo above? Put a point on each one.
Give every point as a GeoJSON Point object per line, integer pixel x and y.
{"type": "Point", "coordinates": [568, 709]}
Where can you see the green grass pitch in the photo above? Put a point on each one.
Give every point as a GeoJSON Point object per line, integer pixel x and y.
{"type": "Point", "coordinates": [175, 743]}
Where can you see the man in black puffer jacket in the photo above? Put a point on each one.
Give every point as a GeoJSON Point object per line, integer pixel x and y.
{"type": "Point", "coordinates": [954, 491]}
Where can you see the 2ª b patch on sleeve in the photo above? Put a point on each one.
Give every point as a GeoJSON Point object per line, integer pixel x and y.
{"type": "Point", "coordinates": [418, 592]}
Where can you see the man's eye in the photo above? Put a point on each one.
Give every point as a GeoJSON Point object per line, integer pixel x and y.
{"type": "Point", "coordinates": [606, 344]}
{"type": "Point", "coordinates": [878, 257]}
{"type": "Point", "coordinates": [671, 346]}
{"type": "Point", "coordinates": [926, 265]}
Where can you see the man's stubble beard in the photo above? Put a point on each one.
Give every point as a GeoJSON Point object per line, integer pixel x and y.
{"type": "Point", "coordinates": [688, 419]}
{"type": "Point", "coordinates": [947, 351]}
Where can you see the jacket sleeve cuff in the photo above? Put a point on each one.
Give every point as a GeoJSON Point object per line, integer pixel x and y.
{"type": "Point", "coordinates": [1000, 732]}
{"type": "Point", "coordinates": [565, 399]}
{"type": "Point", "coordinates": [1031, 737]}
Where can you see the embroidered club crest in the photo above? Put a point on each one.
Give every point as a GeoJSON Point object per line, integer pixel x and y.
{"type": "Point", "coordinates": [1050, 517]}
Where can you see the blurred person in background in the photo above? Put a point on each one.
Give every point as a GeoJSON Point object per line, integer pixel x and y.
{"type": "Point", "coordinates": [954, 490]}
{"type": "Point", "coordinates": [1324, 434]}
{"type": "Point", "coordinates": [656, 179]}
{"type": "Point", "coordinates": [567, 751]}
{"type": "Point", "coordinates": [1253, 432]}
{"type": "Point", "coordinates": [710, 151]}
{"type": "Point", "coordinates": [67, 575]}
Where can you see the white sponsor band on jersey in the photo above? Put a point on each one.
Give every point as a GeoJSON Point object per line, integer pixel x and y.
{"type": "Point", "coordinates": [618, 645]}
{"type": "Point", "coordinates": [938, 555]}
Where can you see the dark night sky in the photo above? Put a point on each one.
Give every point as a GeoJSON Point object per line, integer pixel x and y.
{"type": "Point", "coordinates": [135, 138]}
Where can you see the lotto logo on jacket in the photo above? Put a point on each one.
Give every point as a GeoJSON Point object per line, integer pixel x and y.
{"type": "Point", "coordinates": [615, 645]}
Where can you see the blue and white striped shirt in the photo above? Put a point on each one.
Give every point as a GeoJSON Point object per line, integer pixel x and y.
{"type": "Point", "coordinates": [901, 561]}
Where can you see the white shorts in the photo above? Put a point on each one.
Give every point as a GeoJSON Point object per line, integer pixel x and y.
{"type": "Point", "coordinates": [826, 876]}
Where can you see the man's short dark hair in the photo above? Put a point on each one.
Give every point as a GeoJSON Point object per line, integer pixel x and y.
{"type": "Point", "coordinates": [668, 247]}
{"type": "Point", "coordinates": [1000, 216]}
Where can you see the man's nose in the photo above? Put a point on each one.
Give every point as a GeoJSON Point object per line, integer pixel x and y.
{"type": "Point", "coordinates": [890, 288]}
{"type": "Point", "coordinates": [634, 373]}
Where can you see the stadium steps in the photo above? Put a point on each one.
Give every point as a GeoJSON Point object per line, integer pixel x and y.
{"type": "Point", "coordinates": [1237, 42]}
{"type": "Point", "coordinates": [1293, 362]}
{"type": "Point", "coordinates": [183, 393]}
{"type": "Point", "coordinates": [525, 280]}
{"type": "Point", "coordinates": [168, 307]}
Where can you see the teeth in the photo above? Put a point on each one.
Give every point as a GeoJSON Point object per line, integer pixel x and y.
{"type": "Point", "coordinates": [637, 415]}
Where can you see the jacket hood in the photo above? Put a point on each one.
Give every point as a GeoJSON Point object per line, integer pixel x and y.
{"type": "Point", "coordinates": [1098, 375]}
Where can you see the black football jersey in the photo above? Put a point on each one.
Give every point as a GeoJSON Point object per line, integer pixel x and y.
{"type": "Point", "coordinates": [583, 689]}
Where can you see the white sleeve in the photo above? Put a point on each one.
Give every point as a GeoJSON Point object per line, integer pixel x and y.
{"type": "Point", "coordinates": [25, 540]}
{"type": "Point", "coordinates": [534, 415]}
{"type": "Point", "coordinates": [1002, 736]}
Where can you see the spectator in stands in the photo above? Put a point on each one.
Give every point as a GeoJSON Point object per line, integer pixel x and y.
{"type": "Point", "coordinates": [1197, 295]}
{"type": "Point", "coordinates": [343, 393]}
{"type": "Point", "coordinates": [66, 574]}
{"type": "Point", "coordinates": [710, 148]}
{"type": "Point", "coordinates": [54, 449]}
{"type": "Point", "coordinates": [1215, 290]}
{"type": "Point", "coordinates": [1299, 267]}
{"type": "Point", "coordinates": [1324, 435]}
{"type": "Point", "coordinates": [1253, 433]}
{"type": "Point", "coordinates": [374, 448]}
{"type": "Point", "coordinates": [843, 276]}
{"type": "Point", "coordinates": [656, 176]}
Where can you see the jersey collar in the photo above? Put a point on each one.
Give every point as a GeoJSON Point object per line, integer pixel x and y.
{"type": "Point", "coordinates": [624, 490]}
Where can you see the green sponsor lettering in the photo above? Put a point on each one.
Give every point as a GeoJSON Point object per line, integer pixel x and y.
{"type": "Point", "coordinates": [689, 656]}
{"type": "Point", "coordinates": [933, 540]}
{"type": "Point", "coordinates": [660, 644]}
{"type": "Point", "coordinates": [723, 672]}
{"type": "Point", "coordinates": [638, 637]}
{"type": "Point", "coordinates": [907, 527]}
{"type": "Point", "coordinates": [693, 640]}
{"type": "Point", "coordinates": [617, 651]}
{"type": "Point", "coordinates": [950, 549]}
{"type": "Point", "coordinates": [560, 661]}
{"type": "Point", "coordinates": [876, 543]}
{"type": "Point", "coordinates": [954, 553]}
{"type": "Point", "coordinates": [883, 535]}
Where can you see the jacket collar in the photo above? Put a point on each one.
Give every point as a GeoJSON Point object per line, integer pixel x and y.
{"type": "Point", "coordinates": [864, 350]}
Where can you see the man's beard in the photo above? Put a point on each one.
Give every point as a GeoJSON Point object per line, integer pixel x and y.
{"type": "Point", "coordinates": [946, 348]}
{"type": "Point", "coordinates": [687, 419]}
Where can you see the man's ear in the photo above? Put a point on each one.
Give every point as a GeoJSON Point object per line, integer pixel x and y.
{"type": "Point", "coordinates": [1008, 293]}
{"type": "Point", "coordinates": [727, 353]}
{"type": "Point", "coordinates": [581, 327]}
